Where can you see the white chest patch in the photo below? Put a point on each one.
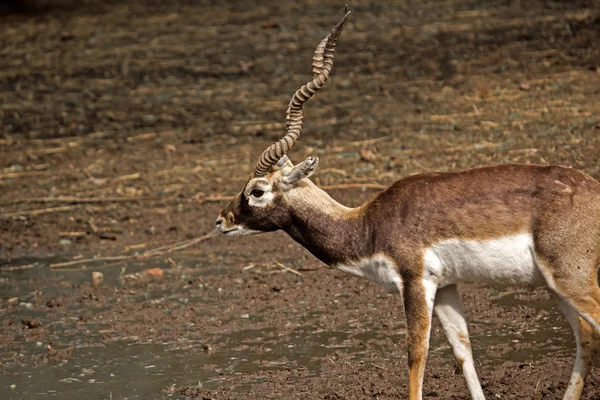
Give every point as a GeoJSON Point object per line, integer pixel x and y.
{"type": "Point", "coordinates": [379, 269]}
{"type": "Point", "coordinates": [507, 261]}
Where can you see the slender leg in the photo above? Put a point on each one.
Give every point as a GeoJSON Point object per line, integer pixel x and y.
{"type": "Point", "coordinates": [588, 344]}
{"type": "Point", "coordinates": [449, 309]}
{"type": "Point", "coordinates": [418, 306]}
{"type": "Point", "coordinates": [574, 281]}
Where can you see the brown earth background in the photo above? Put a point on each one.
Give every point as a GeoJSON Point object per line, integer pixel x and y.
{"type": "Point", "coordinates": [125, 126]}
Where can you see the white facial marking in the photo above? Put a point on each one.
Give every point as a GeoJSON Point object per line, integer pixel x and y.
{"type": "Point", "coordinates": [505, 261]}
{"type": "Point", "coordinates": [263, 185]}
{"type": "Point", "coordinates": [261, 201]}
{"type": "Point", "coordinates": [239, 230]}
{"type": "Point", "coordinates": [379, 269]}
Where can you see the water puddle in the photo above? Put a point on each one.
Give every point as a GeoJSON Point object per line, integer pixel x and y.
{"type": "Point", "coordinates": [132, 369]}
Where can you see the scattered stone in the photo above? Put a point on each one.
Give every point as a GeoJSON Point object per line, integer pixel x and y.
{"type": "Point", "coordinates": [52, 303]}
{"type": "Point", "coordinates": [28, 306]}
{"type": "Point", "coordinates": [65, 242]}
{"type": "Point", "coordinates": [39, 344]}
{"type": "Point", "coordinates": [245, 316]}
{"type": "Point", "coordinates": [13, 300]}
{"type": "Point", "coordinates": [13, 386]}
{"type": "Point", "coordinates": [97, 278]}
{"type": "Point", "coordinates": [155, 272]}
{"type": "Point", "coordinates": [31, 323]}
{"type": "Point", "coordinates": [367, 155]}
{"type": "Point", "coordinates": [149, 119]}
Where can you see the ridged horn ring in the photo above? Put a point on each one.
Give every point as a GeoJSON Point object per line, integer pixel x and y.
{"type": "Point", "coordinates": [321, 67]}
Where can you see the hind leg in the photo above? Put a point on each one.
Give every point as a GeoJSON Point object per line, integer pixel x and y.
{"type": "Point", "coordinates": [451, 313]}
{"type": "Point", "coordinates": [588, 344]}
{"type": "Point", "coordinates": [575, 281]}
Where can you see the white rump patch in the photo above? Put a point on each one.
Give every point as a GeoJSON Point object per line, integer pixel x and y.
{"type": "Point", "coordinates": [507, 261]}
{"type": "Point", "coordinates": [379, 269]}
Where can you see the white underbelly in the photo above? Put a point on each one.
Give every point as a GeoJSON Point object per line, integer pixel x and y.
{"type": "Point", "coordinates": [507, 261]}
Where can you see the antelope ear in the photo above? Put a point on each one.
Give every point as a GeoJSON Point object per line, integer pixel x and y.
{"type": "Point", "coordinates": [303, 170]}
{"type": "Point", "coordinates": [283, 162]}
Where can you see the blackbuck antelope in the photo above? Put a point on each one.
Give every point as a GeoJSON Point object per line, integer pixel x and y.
{"type": "Point", "coordinates": [507, 225]}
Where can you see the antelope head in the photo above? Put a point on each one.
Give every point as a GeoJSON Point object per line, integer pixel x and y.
{"type": "Point", "coordinates": [274, 188]}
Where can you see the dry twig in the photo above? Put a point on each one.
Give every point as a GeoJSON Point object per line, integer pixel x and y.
{"type": "Point", "coordinates": [37, 211]}
{"type": "Point", "coordinates": [293, 271]}
{"type": "Point", "coordinates": [363, 186]}
{"type": "Point", "coordinates": [81, 200]}
{"type": "Point", "coordinates": [150, 253]}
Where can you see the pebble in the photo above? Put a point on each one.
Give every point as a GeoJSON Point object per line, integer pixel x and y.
{"type": "Point", "coordinates": [13, 386]}
{"type": "Point", "coordinates": [149, 119]}
{"type": "Point", "coordinates": [31, 323]}
{"type": "Point", "coordinates": [97, 278]}
{"type": "Point", "coordinates": [39, 344]}
{"type": "Point", "coordinates": [155, 272]}
{"type": "Point", "coordinates": [27, 306]}
{"type": "Point", "coordinates": [65, 242]}
{"type": "Point", "coordinates": [245, 316]}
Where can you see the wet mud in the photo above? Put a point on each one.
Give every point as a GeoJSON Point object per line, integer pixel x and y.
{"type": "Point", "coordinates": [126, 126]}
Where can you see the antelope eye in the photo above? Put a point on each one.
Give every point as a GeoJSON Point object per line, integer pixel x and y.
{"type": "Point", "coordinates": [256, 192]}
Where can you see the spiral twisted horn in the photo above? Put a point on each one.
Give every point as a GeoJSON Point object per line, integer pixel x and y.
{"type": "Point", "coordinates": [322, 65]}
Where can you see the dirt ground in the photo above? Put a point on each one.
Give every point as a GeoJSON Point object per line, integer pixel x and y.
{"type": "Point", "coordinates": [125, 126]}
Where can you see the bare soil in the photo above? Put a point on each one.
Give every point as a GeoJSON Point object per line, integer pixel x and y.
{"type": "Point", "coordinates": [125, 126]}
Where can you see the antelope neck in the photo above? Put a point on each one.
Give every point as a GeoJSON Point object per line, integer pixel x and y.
{"type": "Point", "coordinates": [331, 231]}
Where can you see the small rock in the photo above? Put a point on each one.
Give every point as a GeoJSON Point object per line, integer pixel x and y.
{"type": "Point", "coordinates": [149, 119]}
{"type": "Point", "coordinates": [52, 303]}
{"type": "Point", "coordinates": [245, 316]}
{"type": "Point", "coordinates": [155, 272]}
{"type": "Point", "coordinates": [65, 242]}
{"type": "Point", "coordinates": [31, 323]}
{"type": "Point", "coordinates": [367, 155]}
{"type": "Point", "coordinates": [28, 306]}
{"type": "Point", "coordinates": [97, 278]}
{"type": "Point", "coordinates": [39, 344]}
{"type": "Point", "coordinates": [13, 386]}
{"type": "Point", "coordinates": [270, 24]}
{"type": "Point", "coordinates": [13, 300]}
{"type": "Point", "coordinates": [16, 167]}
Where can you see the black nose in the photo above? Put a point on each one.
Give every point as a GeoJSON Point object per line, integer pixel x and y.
{"type": "Point", "coordinates": [219, 221]}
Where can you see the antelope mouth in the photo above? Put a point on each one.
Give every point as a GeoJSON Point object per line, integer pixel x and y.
{"type": "Point", "coordinates": [228, 231]}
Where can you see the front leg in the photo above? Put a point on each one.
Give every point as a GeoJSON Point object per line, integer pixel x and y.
{"type": "Point", "coordinates": [419, 297]}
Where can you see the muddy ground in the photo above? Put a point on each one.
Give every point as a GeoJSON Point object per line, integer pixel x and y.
{"type": "Point", "coordinates": [124, 125]}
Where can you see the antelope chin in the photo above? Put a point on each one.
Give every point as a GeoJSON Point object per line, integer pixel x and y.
{"type": "Point", "coordinates": [238, 231]}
